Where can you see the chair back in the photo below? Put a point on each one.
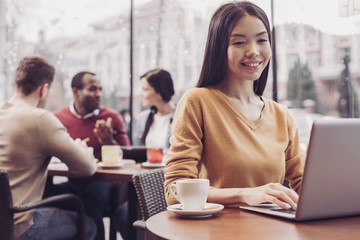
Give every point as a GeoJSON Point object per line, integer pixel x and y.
{"type": "Point", "coordinates": [6, 213]}
{"type": "Point", "coordinates": [149, 187]}
{"type": "Point", "coordinates": [7, 209]}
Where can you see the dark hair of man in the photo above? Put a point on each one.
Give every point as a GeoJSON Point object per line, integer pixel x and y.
{"type": "Point", "coordinates": [162, 82]}
{"type": "Point", "coordinates": [32, 72]}
{"type": "Point", "coordinates": [221, 26]}
{"type": "Point", "coordinates": [76, 82]}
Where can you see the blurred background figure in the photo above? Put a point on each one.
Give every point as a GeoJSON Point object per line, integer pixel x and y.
{"type": "Point", "coordinates": [86, 119]}
{"type": "Point", "coordinates": [153, 126]}
{"type": "Point", "coordinates": [29, 137]}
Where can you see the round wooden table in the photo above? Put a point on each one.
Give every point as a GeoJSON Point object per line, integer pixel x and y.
{"type": "Point", "coordinates": [233, 223]}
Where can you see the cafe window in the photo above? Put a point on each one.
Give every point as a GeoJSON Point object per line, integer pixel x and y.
{"type": "Point", "coordinates": [319, 54]}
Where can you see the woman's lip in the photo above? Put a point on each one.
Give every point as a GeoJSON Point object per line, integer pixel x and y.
{"type": "Point", "coordinates": [252, 64]}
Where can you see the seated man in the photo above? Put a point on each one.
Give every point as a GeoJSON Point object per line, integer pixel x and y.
{"type": "Point", "coordinates": [29, 137]}
{"type": "Point", "coordinates": [86, 119]}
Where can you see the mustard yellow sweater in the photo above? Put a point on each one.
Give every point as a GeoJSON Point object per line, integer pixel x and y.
{"type": "Point", "coordinates": [213, 139]}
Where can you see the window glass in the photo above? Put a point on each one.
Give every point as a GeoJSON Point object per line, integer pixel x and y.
{"type": "Point", "coordinates": [317, 56]}
{"type": "Point", "coordinates": [74, 36]}
{"type": "Point", "coordinates": [317, 59]}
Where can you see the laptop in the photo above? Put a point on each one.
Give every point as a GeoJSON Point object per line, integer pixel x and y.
{"type": "Point", "coordinates": [331, 182]}
{"type": "Point", "coordinates": [137, 153]}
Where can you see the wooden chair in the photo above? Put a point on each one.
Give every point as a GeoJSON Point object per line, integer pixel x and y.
{"type": "Point", "coordinates": [7, 209]}
{"type": "Point", "coordinates": [149, 187]}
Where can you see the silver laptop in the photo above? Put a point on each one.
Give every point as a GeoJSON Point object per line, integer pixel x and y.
{"type": "Point", "coordinates": [331, 181]}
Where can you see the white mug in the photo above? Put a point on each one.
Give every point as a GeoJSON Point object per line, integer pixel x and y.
{"type": "Point", "coordinates": [191, 193]}
{"type": "Point", "coordinates": [111, 154]}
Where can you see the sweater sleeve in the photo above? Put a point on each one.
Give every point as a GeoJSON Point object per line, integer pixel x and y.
{"type": "Point", "coordinates": [186, 144]}
{"type": "Point", "coordinates": [55, 141]}
{"type": "Point", "coordinates": [295, 156]}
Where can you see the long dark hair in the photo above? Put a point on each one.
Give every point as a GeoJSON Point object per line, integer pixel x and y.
{"type": "Point", "coordinates": [221, 25]}
{"type": "Point", "coordinates": [148, 123]}
{"type": "Point", "coordinates": [162, 82]}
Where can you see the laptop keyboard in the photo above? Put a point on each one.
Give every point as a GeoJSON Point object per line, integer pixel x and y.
{"type": "Point", "coordinates": [290, 210]}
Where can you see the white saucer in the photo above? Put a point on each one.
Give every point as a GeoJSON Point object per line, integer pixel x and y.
{"type": "Point", "coordinates": [152, 165]}
{"type": "Point", "coordinates": [103, 165]}
{"type": "Point", "coordinates": [208, 211]}
{"type": "Point", "coordinates": [128, 161]}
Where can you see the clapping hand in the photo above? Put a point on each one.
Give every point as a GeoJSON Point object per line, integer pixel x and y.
{"type": "Point", "coordinates": [104, 131]}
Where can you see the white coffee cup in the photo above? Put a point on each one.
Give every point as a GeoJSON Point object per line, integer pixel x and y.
{"type": "Point", "coordinates": [191, 193]}
{"type": "Point", "coordinates": [111, 154]}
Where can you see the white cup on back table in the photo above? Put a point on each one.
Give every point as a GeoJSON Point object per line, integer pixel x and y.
{"type": "Point", "coordinates": [191, 193]}
{"type": "Point", "coordinates": [111, 154]}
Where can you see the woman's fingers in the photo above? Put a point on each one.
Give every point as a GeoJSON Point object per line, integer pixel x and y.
{"type": "Point", "coordinates": [281, 195]}
{"type": "Point", "coordinates": [273, 193]}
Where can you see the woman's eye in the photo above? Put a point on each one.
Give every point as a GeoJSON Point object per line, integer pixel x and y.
{"type": "Point", "coordinates": [262, 40]}
{"type": "Point", "coordinates": [239, 43]}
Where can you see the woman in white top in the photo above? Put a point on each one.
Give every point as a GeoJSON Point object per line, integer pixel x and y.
{"type": "Point", "coordinates": [153, 126]}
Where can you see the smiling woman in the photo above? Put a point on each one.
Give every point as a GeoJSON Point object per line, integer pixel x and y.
{"type": "Point", "coordinates": [262, 142]}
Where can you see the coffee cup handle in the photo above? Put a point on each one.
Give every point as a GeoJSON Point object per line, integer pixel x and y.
{"type": "Point", "coordinates": [172, 189]}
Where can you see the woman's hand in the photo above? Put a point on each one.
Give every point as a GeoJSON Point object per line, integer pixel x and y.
{"type": "Point", "coordinates": [271, 193]}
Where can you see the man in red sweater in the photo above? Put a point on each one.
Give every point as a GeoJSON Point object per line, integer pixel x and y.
{"type": "Point", "coordinates": [86, 119]}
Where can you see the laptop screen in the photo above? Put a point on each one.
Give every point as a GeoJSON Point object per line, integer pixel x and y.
{"type": "Point", "coordinates": [332, 171]}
